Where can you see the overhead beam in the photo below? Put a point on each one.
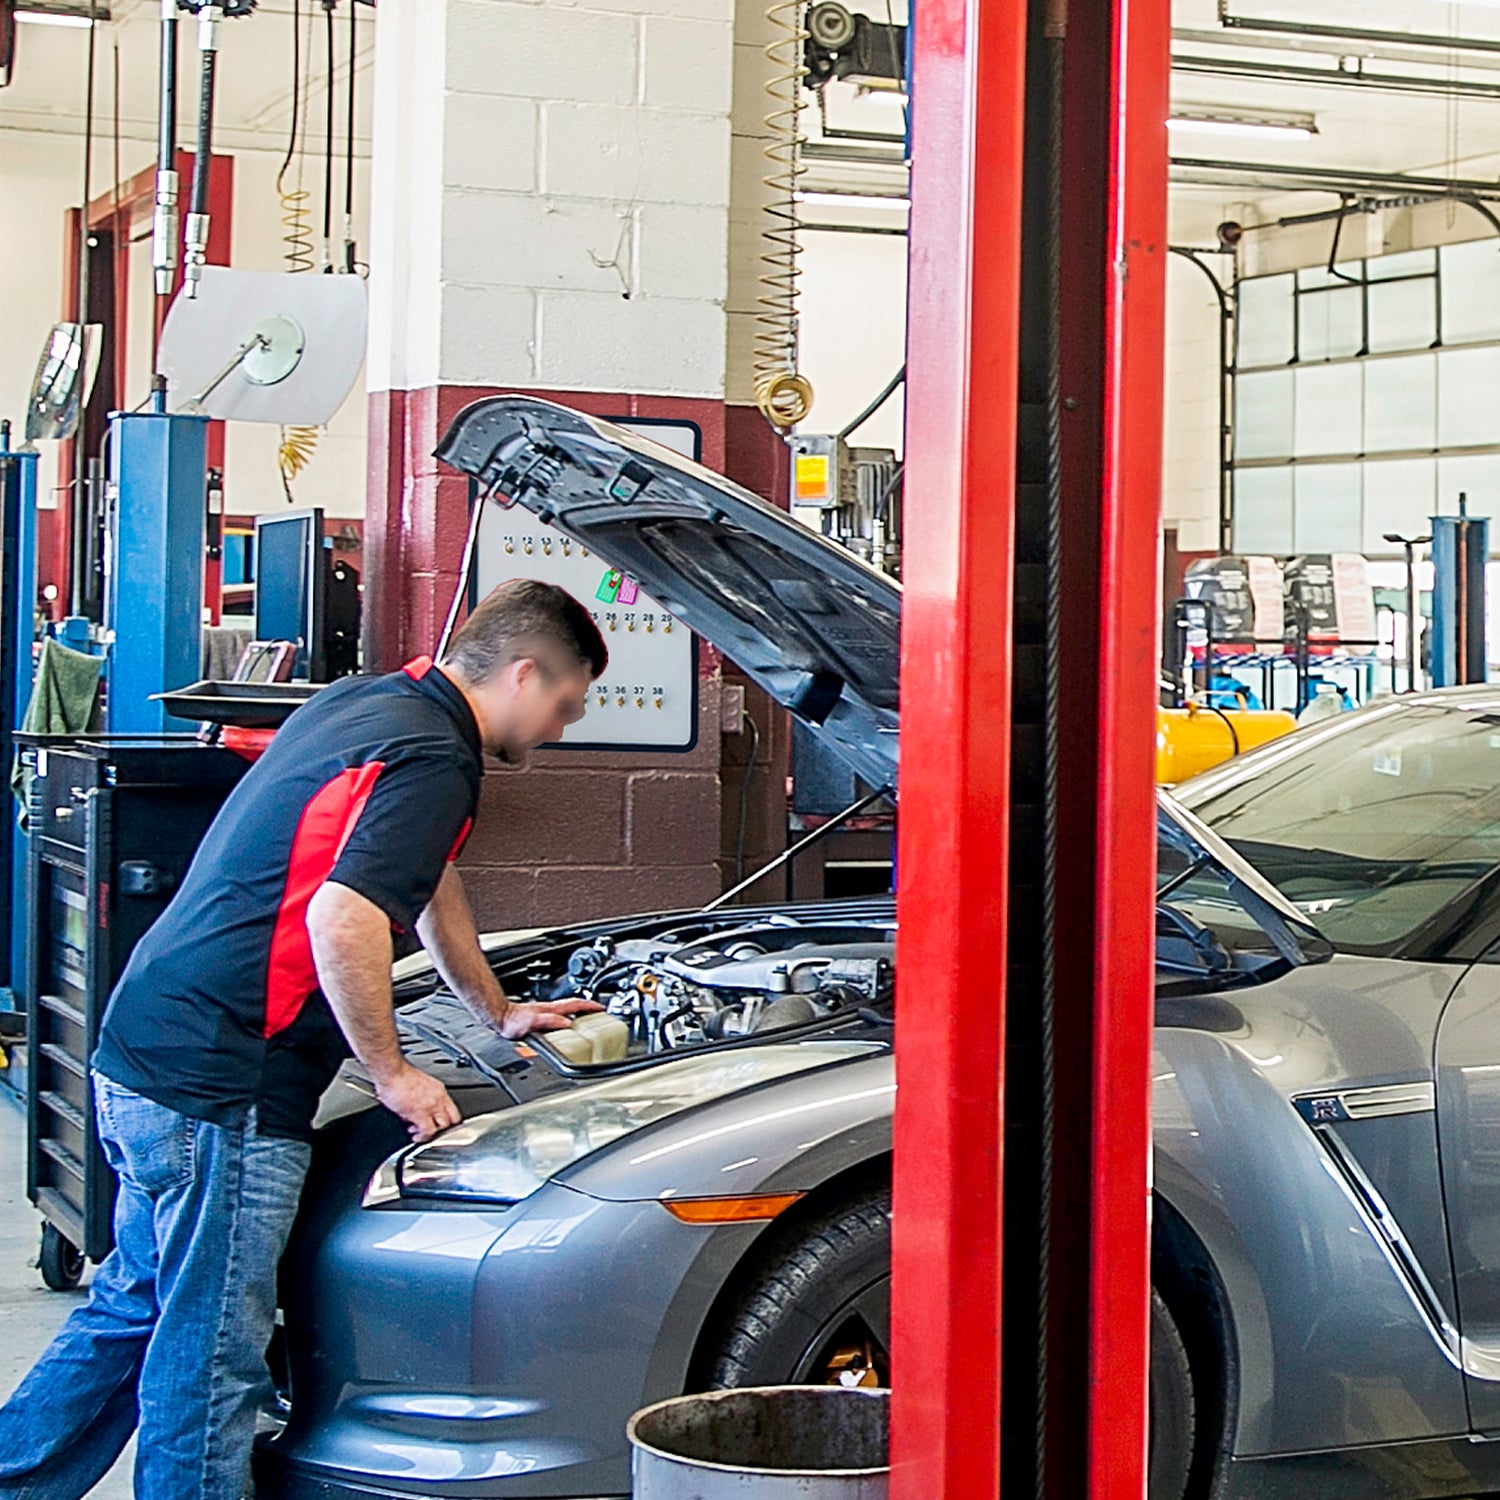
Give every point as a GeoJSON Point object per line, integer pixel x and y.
{"type": "Point", "coordinates": [1393, 83]}
{"type": "Point", "coordinates": [1358, 33]}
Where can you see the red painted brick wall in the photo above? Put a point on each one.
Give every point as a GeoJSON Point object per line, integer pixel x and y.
{"type": "Point", "coordinates": [582, 834]}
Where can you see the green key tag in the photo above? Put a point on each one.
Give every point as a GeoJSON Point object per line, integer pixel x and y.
{"type": "Point", "coordinates": [609, 586]}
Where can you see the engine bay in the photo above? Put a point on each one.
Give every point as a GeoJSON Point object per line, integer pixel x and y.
{"type": "Point", "coordinates": [682, 989]}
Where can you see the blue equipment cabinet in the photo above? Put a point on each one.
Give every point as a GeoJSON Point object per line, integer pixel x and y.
{"type": "Point", "coordinates": [159, 479]}
{"type": "Point", "coordinates": [17, 628]}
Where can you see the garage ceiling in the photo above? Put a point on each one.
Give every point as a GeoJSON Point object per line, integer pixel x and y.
{"type": "Point", "coordinates": [1387, 106]}
{"type": "Point", "coordinates": [1382, 107]}
{"type": "Point", "coordinates": [254, 80]}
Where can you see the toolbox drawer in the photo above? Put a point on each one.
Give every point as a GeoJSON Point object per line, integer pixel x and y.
{"type": "Point", "coordinates": [60, 796]}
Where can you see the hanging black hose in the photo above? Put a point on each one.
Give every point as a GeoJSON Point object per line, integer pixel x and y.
{"type": "Point", "coordinates": [1333, 249]}
{"type": "Point", "coordinates": [195, 229]}
{"type": "Point", "coordinates": [291, 140]}
{"type": "Point", "coordinates": [88, 166]}
{"type": "Point", "coordinates": [874, 406]}
{"type": "Point", "coordinates": [164, 222]}
{"type": "Point", "coordinates": [328, 142]}
{"type": "Point", "coordinates": [349, 146]}
{"type": "Point", "coordinates": [198, 197]}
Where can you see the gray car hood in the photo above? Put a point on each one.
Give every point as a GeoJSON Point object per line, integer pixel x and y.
{"type": "Point", "coordinates": [814, 626]}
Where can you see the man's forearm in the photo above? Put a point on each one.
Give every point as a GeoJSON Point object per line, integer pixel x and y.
{"type": "Point", "coordinates": [351, 943]}
{"type": "Point", "coordinates": [448, 933]}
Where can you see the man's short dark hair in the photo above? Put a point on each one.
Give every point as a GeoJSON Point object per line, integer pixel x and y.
{"type": "Point", "coordinates": [509, 623]}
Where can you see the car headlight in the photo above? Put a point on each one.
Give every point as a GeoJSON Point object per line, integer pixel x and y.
{"type": "Point", "coordinates": [506, 1156]}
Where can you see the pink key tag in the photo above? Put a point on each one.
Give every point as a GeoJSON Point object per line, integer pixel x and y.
{"type": "Point", "coordinates": [629, 591]}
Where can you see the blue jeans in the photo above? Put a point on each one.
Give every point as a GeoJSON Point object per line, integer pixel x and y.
{"type": "Point", "coordinates": [173, 1336]}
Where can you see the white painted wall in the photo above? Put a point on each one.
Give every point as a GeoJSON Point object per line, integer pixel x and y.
{"type": "Point", "coordinates": [853, 331]}
{"type": "Point", "coordinates": [564, 223]}
{"type": "Point", "coordinates": [39, 177]}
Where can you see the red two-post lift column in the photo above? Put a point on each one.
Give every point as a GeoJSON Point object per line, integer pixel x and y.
{"type": "Point", "coordinates": [1020, 1327]}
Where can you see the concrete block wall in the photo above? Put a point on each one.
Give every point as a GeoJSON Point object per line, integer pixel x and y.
{"type": "Point", "coordinates": [583, 834]}
{"type": "Point", "coordinates": [579, 194]}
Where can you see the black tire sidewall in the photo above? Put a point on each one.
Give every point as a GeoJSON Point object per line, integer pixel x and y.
{"type": "Point", "coordinates": [811, 1274]}
{"type": "Point", "coordinates": [1173, 1413]}
{"type": "Point", "coordinates": [804, 1291]}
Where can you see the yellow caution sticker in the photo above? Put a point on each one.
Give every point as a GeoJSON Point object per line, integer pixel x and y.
{"type": "Point", "coordinates": [812, 477]}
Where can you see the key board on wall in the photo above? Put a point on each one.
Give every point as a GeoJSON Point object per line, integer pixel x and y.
{"type": "Point", "coordinates": [647, 698]}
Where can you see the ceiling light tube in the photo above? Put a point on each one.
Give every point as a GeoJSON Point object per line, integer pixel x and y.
{"type": "Point", "coordinates": [1282, 127]}
{"type": "Point", "coordinates": [54, 18]}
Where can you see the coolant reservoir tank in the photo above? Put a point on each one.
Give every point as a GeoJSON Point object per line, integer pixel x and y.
{"type": "Point", "coordinates": [1194, 738]}
{"type": "Point", "coordinates": [591, 1039]}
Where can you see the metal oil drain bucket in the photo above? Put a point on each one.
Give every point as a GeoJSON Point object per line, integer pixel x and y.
{"type": "Point", "coordinates": [794, 1442]}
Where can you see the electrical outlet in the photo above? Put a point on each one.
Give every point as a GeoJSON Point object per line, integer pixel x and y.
{"type": "Point", "coordinates": [732, 708]}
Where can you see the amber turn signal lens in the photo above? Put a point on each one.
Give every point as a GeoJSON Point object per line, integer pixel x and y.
{"type": "Point", "coordinates": [730, 1210]}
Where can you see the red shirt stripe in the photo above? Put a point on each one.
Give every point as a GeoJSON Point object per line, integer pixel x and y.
{"type": "Point", "coordinates": [324, 829]}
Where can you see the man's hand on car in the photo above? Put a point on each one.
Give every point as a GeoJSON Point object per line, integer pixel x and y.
{"type": "Point", "coordinates": [419, 1099]}
{"type": "Point", "coordinates": [522, 1017]}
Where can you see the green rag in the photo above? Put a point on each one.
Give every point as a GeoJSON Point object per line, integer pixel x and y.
{"type": "Point", "coordinates": [65, 700]}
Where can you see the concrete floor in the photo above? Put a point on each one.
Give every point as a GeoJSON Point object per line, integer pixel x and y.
{"type": "Point", "coordinates": [29, 1313]}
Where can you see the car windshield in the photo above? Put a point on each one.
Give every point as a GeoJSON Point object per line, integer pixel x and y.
{"type": "Point", "coordinates": [1379, 829]}
{"type": "Point", "coordinates": [1218, 924]}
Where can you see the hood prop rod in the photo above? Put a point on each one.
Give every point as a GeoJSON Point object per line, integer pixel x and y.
{"type": "Point", "coordinates": [832, 825]}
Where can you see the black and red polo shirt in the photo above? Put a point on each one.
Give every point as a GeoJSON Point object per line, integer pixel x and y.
{"type": "Point", "coordinates": [372, 783]}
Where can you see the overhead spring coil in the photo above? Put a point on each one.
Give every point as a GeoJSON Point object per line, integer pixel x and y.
{"type": "Point", "coordinates": [297, 444]}
{"type": "Point", "coordinates": [782, 393]}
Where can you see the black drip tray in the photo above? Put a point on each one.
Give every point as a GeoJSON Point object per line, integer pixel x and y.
{"type": "Point", "coordinates": [245, 705]}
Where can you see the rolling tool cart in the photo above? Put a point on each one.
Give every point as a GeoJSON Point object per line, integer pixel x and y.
{"type": "Point", "coordinates": [114, 822]}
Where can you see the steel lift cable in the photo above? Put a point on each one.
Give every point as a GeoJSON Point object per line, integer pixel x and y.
{"type": "Point", "coordinates": [782, 393]}
{"type": "Point", "coordinates": [1055, 28]}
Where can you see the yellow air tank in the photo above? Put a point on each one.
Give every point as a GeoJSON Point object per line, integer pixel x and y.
{"type": "Point", "coordinates": [1195, 738]}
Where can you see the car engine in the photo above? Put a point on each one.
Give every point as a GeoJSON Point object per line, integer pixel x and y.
{"type": "Point", "coordinates": [673, 991]}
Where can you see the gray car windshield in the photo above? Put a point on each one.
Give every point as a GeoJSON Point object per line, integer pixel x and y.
{"type": "Point", "coordinates": [1385, 831]}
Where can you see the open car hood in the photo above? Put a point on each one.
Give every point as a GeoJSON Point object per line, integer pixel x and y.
{"type": "Point", "coordinates": [814, 626]}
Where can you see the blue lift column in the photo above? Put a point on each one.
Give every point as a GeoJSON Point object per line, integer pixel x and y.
{"type": "Point", "coordinates": [1460, 554]}
{"type": "Point", "coordinates": [17, 628]}
{"type": "Point", "coordinates": [159, 474]}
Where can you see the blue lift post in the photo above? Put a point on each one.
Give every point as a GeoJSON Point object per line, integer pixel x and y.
{"type": "Point", "coordinates": [159, 476]}
{"type": "Point", "coordinates": [1460, 554]}
{"type": "Point", "coordinates": [17, 628]}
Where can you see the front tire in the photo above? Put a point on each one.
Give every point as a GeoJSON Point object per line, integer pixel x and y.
{"type": "Point", "coordinates": [1173, 1410]}
{"type": "Point", "coordinates": [818, 1313]}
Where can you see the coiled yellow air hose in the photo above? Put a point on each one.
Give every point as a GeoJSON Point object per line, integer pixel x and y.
{"type": "Point", "coordinates": [782, 393]}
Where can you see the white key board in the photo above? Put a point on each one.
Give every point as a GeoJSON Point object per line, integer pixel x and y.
{"type": "Point", "coordinates": [648, 696]}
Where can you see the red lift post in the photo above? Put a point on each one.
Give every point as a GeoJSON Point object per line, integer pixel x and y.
{"type": "Point", "coordinates": [982, 79]}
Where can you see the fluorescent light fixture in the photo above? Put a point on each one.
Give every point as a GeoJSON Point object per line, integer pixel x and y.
{"type": "Point", "coordinates": [854, 200]}
{"type": "Point", "coordinates": [1243, 123]}
{"type": "Point", "coordinates": [54, 18]}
